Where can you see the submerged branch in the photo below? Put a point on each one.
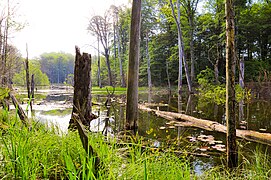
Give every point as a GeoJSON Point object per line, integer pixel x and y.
{"type": "Point", "coordinates": [186, 120]}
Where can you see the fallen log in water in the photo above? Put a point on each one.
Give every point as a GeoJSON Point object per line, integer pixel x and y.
{"type": "Point", "coordinates": [264, 138]}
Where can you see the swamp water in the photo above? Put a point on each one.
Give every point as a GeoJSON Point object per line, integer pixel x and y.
{"type": "Point", "coordinates": [157, 132]}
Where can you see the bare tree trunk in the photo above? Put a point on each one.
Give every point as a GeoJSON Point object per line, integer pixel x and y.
{"type": "Point", "coordinates": [123, 84]}
{"type": "Point", "coordinates": [192, 52]}
{"type": "Point", "coordinates": [242, 72]}
{"type": "Point", "coordinates": [27, 74]}
{"type": "Point", "coordinates": [32, 89]}
{"type": "Point", "coordinates": [217, 63]}
{"type": "Point", "coordinates": [148, 62]}
{"type": "Point", "coordinates": [82, 89]}
{"type": "Point", "coordinates": [242, 85]}
{"type": "Point", "coordinates": [168, 78]}
{"type": "Point", "coordinates": [108, 67]}
{"type": "Point", "coordinates": [19, 109]}
{"type": "Point", "coordinates": [232, 150]}
{"type": "Point", "coordinates": [99, 65]}
{"type": "Point", "coordinates": [133, 68]}
{"type": "Point", "coordinates": [181, 50]}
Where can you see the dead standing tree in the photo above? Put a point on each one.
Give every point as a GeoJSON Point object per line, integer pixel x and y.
{"type": "Point", "coordinates": [82, 89]}
{"type": "Point", "coordinates": [101, 27]}
{"type": "Point", "coordinates": [133, 68]}
{"type": "Point", "coordinates": [27, 78]}
{"type": "Point", "coordinates": [81, 112]}
{"type": "Point", "coordinates": [232, 150]}
{"type": "Point", "coordinates": [181, 49]}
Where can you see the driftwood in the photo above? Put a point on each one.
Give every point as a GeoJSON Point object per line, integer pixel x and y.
{"type": "Point", "coordinates": [185, 120]}
{"type": "Point", "coordinates": [21, 112]}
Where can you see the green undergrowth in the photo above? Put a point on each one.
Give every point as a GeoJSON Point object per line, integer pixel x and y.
{"type": "Point", "coordinates": [121, 90]}
{"type": "Point", "coordinates": [42, 152]}
{"type": "Point", "coordinates": [257, 167]}
{"type": "Point", "coordinates": [209, 91]}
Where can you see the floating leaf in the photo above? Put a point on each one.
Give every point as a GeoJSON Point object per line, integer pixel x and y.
{"type": "Point", "coordinates": [263, 129]}
{"type": "Point", "coordinates": [191, 138]}
{"type": "Point", "coordinates": [204, 148]}
{"type": "Point", "coordinates": [205, 138]}
{"type": "Point", "coordinates": [219, 147]}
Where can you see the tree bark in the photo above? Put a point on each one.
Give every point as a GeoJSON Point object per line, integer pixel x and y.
{"type": "Point", "coordinates": [32, 91]}
{"type": "Point", "coordinates": [232, 150]}
{"type": "Point", "coordinates": [148, 62]}
{"type": "Point", "coordinates": [133, 68]}
{"type": "Point", "coordinates": [82, 88]}
{"type": "Point", "coordinates": [168, 78]}
{"type": "Point", "coordinates": [27, 74]}
{"type": "Point", "coordinates": [19, 109]}
{"type": "Point", "coordinates": [99, 65]}
{"type": "Point", "coordinates": [32, 86]}
{"type": "Point", "coordinates": [85, 142]}
{"type": "Point", "coordinates": [108, 67]}
{"type": "Point", "coordinates": [192, 52]}
{"type": "Point", "coordinates": [242, 72]}
{"type": "Point", "coordinates": [217, 63]}
{"type": "Point", "coordinates": [123, 84]}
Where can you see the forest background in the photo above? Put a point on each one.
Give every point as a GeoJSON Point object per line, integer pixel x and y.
{"type": "Point", "coordinates": [203, 36]}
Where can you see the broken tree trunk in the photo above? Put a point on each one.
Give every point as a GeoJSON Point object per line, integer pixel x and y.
{"type": "Point", "coordinates": [82, 88]}
{"type": "Point", "coordinates": [186, 120]}
{"type": "Point", "coordinates": [84, 139]}
{"type": "Point", "coordinates": [20, 110]}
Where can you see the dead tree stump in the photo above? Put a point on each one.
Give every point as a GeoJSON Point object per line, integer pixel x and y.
{"type": "Point", "coordinates": [82, 89]}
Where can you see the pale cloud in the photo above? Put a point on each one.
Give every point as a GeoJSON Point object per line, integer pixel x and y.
{"type": "Point", "coordinates": [58, 25]}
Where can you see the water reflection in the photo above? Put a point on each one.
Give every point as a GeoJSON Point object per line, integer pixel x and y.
{"type": "Point", "coordinates": [111, 119]}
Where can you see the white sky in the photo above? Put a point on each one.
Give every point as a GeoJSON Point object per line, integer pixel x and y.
{"type": "Point", "coordinates": [57, 25]}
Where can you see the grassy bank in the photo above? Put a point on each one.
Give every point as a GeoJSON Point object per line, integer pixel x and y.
{"type": "Point", "coordinates": [45, 153]}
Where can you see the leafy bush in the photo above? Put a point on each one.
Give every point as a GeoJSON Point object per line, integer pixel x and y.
{"type": "Point", "coordinates": [208, 91]}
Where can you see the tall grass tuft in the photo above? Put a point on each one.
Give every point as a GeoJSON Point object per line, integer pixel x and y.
{"type": "Point", "coordinates": [44, 153]}
{"type": "Point", "coordinates": [255, 166]}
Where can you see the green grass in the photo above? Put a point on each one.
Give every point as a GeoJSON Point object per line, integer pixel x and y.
{"type": "Point", "coordinates": [122, 90]}
{"type": "Point", "coordinates": [44, 153]}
